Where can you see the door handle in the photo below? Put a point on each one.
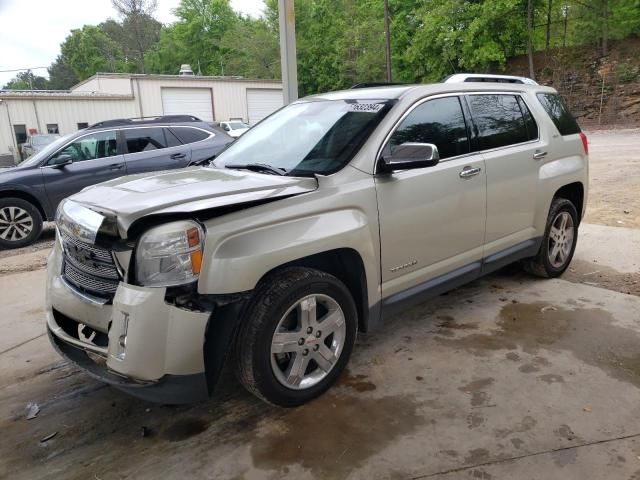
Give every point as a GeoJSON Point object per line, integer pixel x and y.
{"type": "Point", "coordinates": [116, 166]}
{"type": "Point", "coordinates": [176, 156]}
{"type": "Point", "coordinates": [539, 155]}
{"type": "Point", "coordinates": [469, 172]}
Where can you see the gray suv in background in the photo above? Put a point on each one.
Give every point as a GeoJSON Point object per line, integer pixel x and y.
{"type": "Point", "coordinates": [31, 192]}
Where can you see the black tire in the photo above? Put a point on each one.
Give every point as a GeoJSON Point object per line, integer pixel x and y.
{"type": "Point", "coordinates": [272, 299]}
{"type": "Point", "coordinates": [34, 222]}
{"type": "Point", "coordinates": [540, 265]}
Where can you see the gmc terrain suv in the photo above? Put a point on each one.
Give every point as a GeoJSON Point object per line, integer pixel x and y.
{"type": "Point", "coordinates": [316, 224]}
{"type": "Point", "coordinates": [31, 192]}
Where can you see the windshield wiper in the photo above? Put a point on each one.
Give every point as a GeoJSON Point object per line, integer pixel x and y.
{"type": "Point", "coordinates": [258, 167]}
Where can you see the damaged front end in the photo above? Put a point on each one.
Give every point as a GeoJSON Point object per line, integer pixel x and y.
{"type": "Point", "coordinates": [144, 330]}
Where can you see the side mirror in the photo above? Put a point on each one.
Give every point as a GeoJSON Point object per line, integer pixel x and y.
{"type": "Point", "coordinates": [61, 161]}
{"type": "Point", "coordinates": [410, 155]}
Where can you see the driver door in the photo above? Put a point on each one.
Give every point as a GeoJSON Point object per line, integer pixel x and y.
{"type": "Point", "coordinates": [95, 159]}
{"type": "Point", "coordinates": [432, 219]}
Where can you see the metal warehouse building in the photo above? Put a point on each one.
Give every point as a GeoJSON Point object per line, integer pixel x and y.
{"type": "Point", "coordinates": [107, 96]}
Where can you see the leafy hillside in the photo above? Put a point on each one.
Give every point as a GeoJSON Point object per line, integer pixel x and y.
{"type": "Point", "coordinates": [600, 90]}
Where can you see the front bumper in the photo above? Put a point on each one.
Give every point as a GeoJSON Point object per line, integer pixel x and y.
{"type": "Point", "coordinates": [139, 344]}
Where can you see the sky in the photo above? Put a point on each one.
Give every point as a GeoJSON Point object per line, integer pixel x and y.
{"type": "Point", "coordinates": [31, 31]}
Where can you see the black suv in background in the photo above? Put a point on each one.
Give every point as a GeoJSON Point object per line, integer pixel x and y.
{"type": "Point", "coordinates": [31, 192]}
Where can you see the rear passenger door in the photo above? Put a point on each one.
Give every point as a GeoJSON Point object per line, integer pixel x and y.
{"type": "Point", "coordinates": [507, 136]}
{"type": "Point", "coordinates": [149, 149]}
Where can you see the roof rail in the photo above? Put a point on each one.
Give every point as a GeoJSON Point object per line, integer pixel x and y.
{"type": "Point", "coordinates": [487, 77]}
{"type": "Point", "coordinates": [117, 122]}
{"type": "Point", "coordinates": [374, 84]}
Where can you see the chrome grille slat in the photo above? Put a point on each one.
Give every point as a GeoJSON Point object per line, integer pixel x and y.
{"type": "Point", "coordinates": [89, 283]}
{"type": "Point", "coordinates": [90, 269]}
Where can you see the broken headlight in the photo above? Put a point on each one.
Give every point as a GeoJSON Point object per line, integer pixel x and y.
{"type": "Point", "coordinates": [170, 254]}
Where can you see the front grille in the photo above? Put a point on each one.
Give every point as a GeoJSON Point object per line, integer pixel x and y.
{"type": "Point", "coordinates": [90, 269]}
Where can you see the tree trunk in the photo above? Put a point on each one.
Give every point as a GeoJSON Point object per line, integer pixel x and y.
{"type": "Point", "coordinates": [605, 28]}
{"type": "Point", "coordinates": [532, 73]}
{"type": "Point", "coordinates": [549, 6]}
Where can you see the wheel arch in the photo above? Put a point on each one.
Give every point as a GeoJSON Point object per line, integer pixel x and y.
{"type": "Point", "coordinates": [346, 265]}
{"type": "Point", "coordinates": [26, 197]}
{"type": "Point", "coordinates": [574, 192]}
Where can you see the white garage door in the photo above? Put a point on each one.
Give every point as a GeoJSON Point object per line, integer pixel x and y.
{"type": "Point", "coordinates": [262, 103]}
{"type": "Point", "coordinates": [188, 101]}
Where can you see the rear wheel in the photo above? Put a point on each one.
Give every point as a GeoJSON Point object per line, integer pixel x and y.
{"type": "Point", "coordinates": [297, 336]}
{"type": "Point", "coordinates": [558, 243]}
{"type": "Point", "coordinates": [20, 223]}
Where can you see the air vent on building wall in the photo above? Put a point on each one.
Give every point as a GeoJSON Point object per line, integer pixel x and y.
{"type": "Point", "coordinates": [185, 70]}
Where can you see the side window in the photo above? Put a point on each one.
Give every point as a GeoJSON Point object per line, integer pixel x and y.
{"type": "Point", "coordinates": [559, 113]}
{"type": "Point", "coordinates": [91, 147]}
{"type": "Point", "coordinates": [439, 121]}
{"type": "Point", "coordinates": [529, 121]}
{"type": "Point", "coordinates": [172, 140]}
{"type": "Point", "coordinates": [499, 120]}
{"type": "Point", "coordinates": [144, 139]}
{"type": "Point", "coordinates": [190, 135]}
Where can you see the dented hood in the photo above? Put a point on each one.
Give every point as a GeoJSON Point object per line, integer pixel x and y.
{"type": "Point", "coordinates": [186, 191]}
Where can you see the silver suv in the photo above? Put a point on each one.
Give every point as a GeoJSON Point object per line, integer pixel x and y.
{"type": "Point", "coordinates": [316, 224]}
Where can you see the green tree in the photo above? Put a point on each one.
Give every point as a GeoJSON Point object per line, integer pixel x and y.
{"type": "Point", "coordinates": [195, 38]}
{"type": "Point", "coordinates": [89, 50]}
{"type": "Point", "coordinates": [139, 32]}
{"type": "Point", "coordinates": [27, 81]}
{"type": "Point", "coordinates": [61, 75]}
{"type": "Point", "coordinates": [251, 49]}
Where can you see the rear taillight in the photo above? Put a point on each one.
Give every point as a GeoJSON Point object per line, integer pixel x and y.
{"type": "Point", "coordinates": [585, 143]}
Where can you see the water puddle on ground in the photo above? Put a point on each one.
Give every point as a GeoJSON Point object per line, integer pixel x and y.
{"type": "Point", "coordinates": [334, 434]}
{"type": "Point", "coordinates": [588, 333]}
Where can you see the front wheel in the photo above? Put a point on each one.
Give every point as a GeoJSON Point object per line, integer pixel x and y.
{"type": "Point", "coordinates": [20, 223]}
{"type": "Point", "coordinates": [559, 241]}
{"type": "Point", "coordinates": [297, 336]}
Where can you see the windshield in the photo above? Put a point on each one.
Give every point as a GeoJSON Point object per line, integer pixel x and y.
{"type": "Point", "coordinates": [237, 125]}
{"type": "Point", "coordinates": [45, 152]}
{"type": "Point", "coordinates": [44, 139]}
{"type": "Point", "coordinates": [308, 137]}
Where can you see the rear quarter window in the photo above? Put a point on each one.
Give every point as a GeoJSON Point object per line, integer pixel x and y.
{"type": "Point", "coordinates": [190, 135]}
{"type": "Point", "coordinates": [560, 115]}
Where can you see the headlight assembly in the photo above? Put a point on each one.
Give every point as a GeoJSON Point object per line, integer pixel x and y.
{"type": "Point", "coordinates": [170, 254]}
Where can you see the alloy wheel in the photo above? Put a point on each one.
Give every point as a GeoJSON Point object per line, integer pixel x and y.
{"type": "Point", "coordinates": [308, 342]}
{"type": "Point", "coordinates": [15, 224]}
{"type": "Point", "coordinates": [560, 240]}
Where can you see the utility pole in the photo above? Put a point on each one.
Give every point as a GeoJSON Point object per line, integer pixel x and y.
{"type": "Point", "coordinates": [387, 41]}
{"type": "Point", "coordinates": [287, 17]}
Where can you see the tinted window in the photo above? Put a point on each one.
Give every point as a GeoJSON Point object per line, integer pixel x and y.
{"type": "Point", "coordinates": [559, 114]}
{"type": "Point", "coordinates": [190, 135]}
{"type": "Point", "coordinates": [144, 139]}
{"type": "Point", "coordinates": [529, 121]}
{"type": "Point", "coordinates": [499, 120]}
{"type": "Point", "coordinates": [438, 121]}
{"type": "Point", "coordinates": [172, 140]}
{"type": "Point", "coordinates": [91, 147]}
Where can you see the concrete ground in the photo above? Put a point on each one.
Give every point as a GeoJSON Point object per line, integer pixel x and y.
{"type": "Point", "coordinates": [508, 377]}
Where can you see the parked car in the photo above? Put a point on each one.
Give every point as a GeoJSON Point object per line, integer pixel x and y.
{"type": "Point", "coordinates": [35, 143]}
{"type": "Point", "coordinates": [31, 192]}
{"type": "Point", "coordinates": [318, 223]}
{"type": "Point", "coordinates": [235, 128]}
